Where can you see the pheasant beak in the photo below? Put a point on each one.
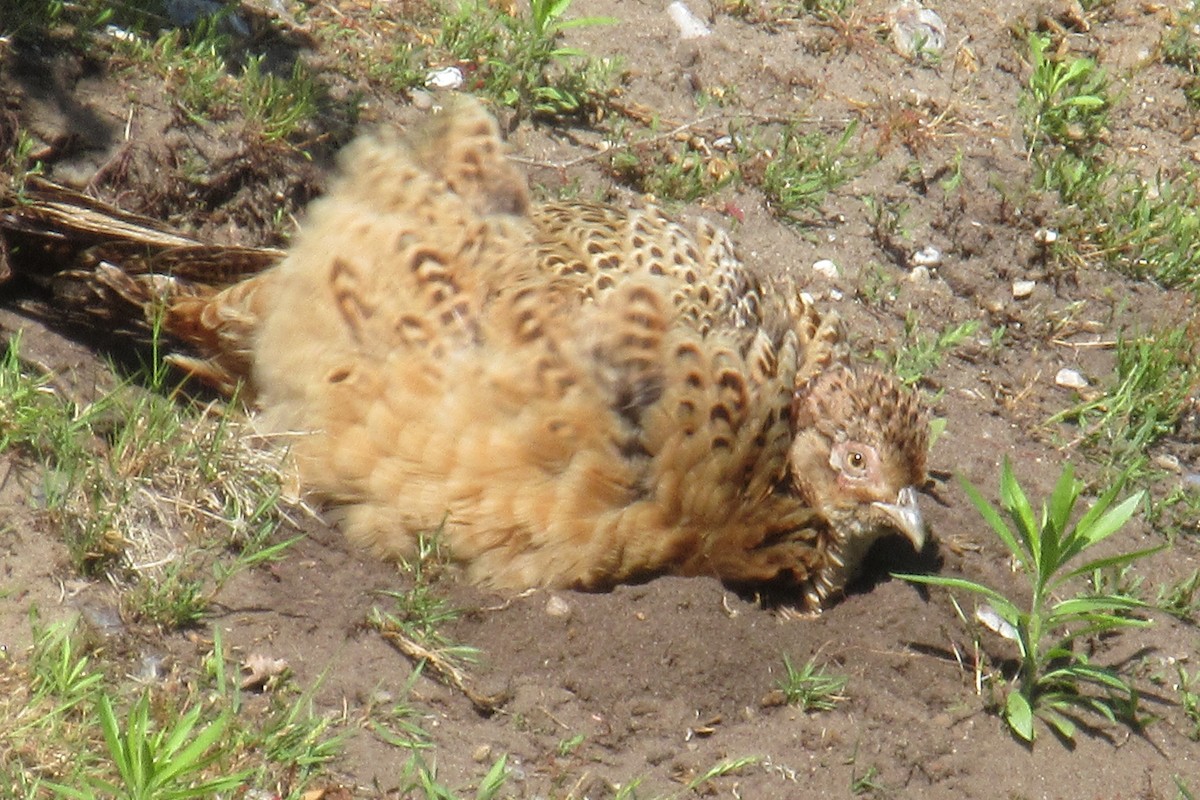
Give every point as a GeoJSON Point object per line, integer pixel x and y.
{"type": "Point", "coordinates": [906, 516]}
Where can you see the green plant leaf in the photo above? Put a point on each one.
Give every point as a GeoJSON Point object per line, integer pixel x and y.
{"type": "Point", "coordinates": [1083, 607]}
{"type": "Point", "coordinates": [1100, 676]}
{"type": "Point", "coordinates": [993, 519]}
{"type": "Point", "coordinates": [1058, 722]}
{"type": "Point", "coordinates": [1112, 520]}
{"type": "Point", "coordinates": [112, 737]}
{"type": "Point", "coordinates": [493, 782]}
{"type": "Point", "coordinates": [1097, 705]}
{"type": "Point", "coordinates": [1085, 101]}
{"type": "Point", "coordinates": [1058, 517]}
{"type": "Point", "coordinates": [1002, 605]}
{"type": "Point", "coordinates": [1108, 562]}
{"type": "Point", "coordinates": [190, 758]}
{"type": "Point", "coordinates": [1019, 715]}
{"type": "Point", "coordinates": [1014, 501]}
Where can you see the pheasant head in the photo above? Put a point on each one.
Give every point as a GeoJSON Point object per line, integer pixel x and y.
{"type": "Point", "coordinates": [858, 458]}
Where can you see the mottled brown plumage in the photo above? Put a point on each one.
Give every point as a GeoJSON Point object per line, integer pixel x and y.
{"type": "Point", "coordinates": [575, 395]}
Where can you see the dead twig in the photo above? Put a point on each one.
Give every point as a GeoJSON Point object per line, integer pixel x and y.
{"type": "Point", "coordinates": [1103, 345]}
{"type": "Point", "coordinates": [444, 670]}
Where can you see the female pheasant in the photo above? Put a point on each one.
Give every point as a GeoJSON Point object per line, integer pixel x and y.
{"type": "Point", "coordinates": [574, 395]}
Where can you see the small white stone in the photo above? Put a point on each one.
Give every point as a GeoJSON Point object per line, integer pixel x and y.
{"type": "Point", "coordinates": [919, 274]}
{"type": "Point", "coordinates": [995, 623]}
{"type": "Point", "coordinates": [825, 267]}
{"type": "Point", "coordinates": [1022, 289]}
{"type": "Point", "coordinates": [835, 294]}
{"type": "Point", "coordinates": [927, 256]}
{"type": "Point", "coordinates": [557, 607]}
{"type": "Point", "coordinates": [1070, 379]}
{"type": "Point", "coordinates": [445, 78]}
{"type": "Point", "coordinates": [690, 26]}
{"type": "Point", "coordinates": [1045, 236]}
{"type": "Point", "coordinates": [120, 33]}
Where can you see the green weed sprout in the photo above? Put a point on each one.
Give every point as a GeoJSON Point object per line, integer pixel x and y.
{"type": "Point", "coordinates": [810, 687]}
{"type": "Point", "coordinates": [1055, 680]}
{"type": "Point", "coordinates": [1066, 101]}
{"type": "Point", "coordinates": [516, 55]}
{"type": "Point", "coordinates": [160, 764]}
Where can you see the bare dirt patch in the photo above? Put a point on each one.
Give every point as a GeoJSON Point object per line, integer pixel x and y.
{"type": "Point", "coordinates": [661, 682]}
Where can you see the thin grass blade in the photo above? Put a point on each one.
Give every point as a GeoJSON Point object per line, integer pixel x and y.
{"type": "Point", "coordinates": [191, 757]}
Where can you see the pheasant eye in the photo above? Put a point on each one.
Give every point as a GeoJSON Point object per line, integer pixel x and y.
{"type": "Point", "coordinates": [856, 459]}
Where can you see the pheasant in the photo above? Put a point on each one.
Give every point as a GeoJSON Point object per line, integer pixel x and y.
{"type": "Point", "coordinates": [573, 394]}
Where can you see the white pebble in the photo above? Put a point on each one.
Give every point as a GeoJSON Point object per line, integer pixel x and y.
{"type": "Point", "coordinates": [919, 274]}
{"type": "Point", "coordinates": [927, 256]}
{"type": "Point", "coordinates": [120, 33]}
{"type": "Point", "coordinates": [1045, 236]}
{"type": "Point", "coordinates": [995, 623]}
{"type": "Point", "coordinates": [825, 267]}
{"type": "Point", "coordinates": [1022, 289]}
{"type": "Point", "coordinates": [690, 26]}
{"type": "Point", "coordinates": [557, 607]}
{"type": "Point", "coordinates": [445, 78]}
{"type": "Point", "coordinates": [1070, 379]}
